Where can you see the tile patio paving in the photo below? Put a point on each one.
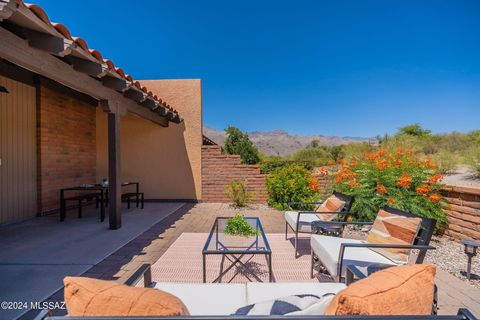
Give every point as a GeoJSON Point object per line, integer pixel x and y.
{"type": "Point", "coordinates": [151, 245]}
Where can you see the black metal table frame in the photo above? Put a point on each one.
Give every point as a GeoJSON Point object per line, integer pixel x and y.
{"type": "Point", "coordinates": [235, 254]}
{"type": "Point", "coordinates": [94, 187]}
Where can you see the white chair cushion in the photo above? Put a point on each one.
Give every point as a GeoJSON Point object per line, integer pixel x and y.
{"type": "Point", "coordinates": [292, 216]}
{"type": "Point", "coordinates": [258, 292]}
{"type": "Point", "coordinates": [327, 250]}
{"type": "Point", "coordinates": [208, 298]}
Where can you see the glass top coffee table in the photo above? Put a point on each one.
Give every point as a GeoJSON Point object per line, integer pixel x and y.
{"type": "Point", "coordinates": [238, 250]}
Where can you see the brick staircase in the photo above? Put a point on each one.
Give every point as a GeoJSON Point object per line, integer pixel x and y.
{"type": "Point", "coordinates": [219, 169]}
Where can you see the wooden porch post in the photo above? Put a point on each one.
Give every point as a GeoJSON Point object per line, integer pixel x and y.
{"type": "Point", "coordinates": [114, 182]}
{"type": "Point", "coordinates": [115, 113]}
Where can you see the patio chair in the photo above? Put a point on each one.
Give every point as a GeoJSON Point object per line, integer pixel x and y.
{"type": "Point", "coordinates": [335, 253]}
{"type": "Point", "coordinates": [338, 204]}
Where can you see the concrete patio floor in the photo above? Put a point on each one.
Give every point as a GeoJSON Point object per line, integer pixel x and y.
{"type": "Point", "coordinates": [150, 245]}
{"type": "Point", "coordinates": [37, 254]}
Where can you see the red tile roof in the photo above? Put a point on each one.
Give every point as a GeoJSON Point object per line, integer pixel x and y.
{"type": "Point", "coordinates": [65, 32]}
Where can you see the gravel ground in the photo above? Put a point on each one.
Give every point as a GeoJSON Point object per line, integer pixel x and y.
{"type": "Point", "coordinates": [450, 257]}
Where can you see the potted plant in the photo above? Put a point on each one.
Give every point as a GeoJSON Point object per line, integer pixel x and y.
{"type": "Point", "coordinates": [238, 226]}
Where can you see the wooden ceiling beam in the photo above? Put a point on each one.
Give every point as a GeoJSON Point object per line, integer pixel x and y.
{"type": "Point", "coordinates": [134, 94]}
{"type": "Point", "coordinates": [149, 103]}
{"type": "Point", "coordinates": [114, 83]}
{"type": "Point", "coordinates": [85, 66]}
{"type": "Point", "coordinates": [17, 51]}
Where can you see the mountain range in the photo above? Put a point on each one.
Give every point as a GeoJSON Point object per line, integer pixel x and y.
{"type": "Point", "coordinates": [280, 142]}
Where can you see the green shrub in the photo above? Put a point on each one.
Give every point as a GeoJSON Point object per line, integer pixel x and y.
{"type": "Point", "coordinates": [398, 179]}
{"type": "Point", "coordinates": [238, 143]}
{"type": "Point", "coordinates": [239, 226]}
{"type": "Point", "coordinates": [290, 184]}
{"type": "Point", "coordinates": [238, 192]}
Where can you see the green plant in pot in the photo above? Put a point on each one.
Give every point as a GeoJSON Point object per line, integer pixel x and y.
{"type": "Point", "coordinates": [238, 226]}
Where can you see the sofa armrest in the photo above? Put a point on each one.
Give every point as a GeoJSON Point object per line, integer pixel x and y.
{"type": "Point", "coordinates": [144, 271]}
{"type": "Point", "coordinates": [343, 246]}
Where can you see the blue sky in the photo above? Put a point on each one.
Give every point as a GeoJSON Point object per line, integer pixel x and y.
{"type": "Point", "coordinates": [348, 68]}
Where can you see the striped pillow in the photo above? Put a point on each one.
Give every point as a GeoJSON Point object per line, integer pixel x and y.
{"type": "Point", "coordinates": [331, 204]}
{"type": "Point", "coordinates": [391, 228]}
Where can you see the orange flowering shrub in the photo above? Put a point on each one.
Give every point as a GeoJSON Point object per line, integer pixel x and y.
{"type": "Point", "coordinates": [313, 184]}
{"type": "Point", "coordinates": [393, 177]}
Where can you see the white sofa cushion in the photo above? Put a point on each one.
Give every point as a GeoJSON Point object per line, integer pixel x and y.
{"type": "Point", "coordinates": [258, 292]}
{"type": "Point", "coordinates": [306, 219]}
{"type": "Point", "coordinates": [305, 304]}
{"type": "Point", "coordinates": [327, 249]}
{"type": "Point", "coordinates": [208, 298]}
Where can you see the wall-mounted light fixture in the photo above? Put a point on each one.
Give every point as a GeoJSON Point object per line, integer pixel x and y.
{"type": "Point", "coordinates": [3, 89]}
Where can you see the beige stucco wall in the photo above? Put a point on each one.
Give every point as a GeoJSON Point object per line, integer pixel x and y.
{"type": "Point", "coordinates": [166, 161]}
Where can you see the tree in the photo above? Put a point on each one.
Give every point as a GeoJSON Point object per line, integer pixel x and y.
{"type": "Point", "coordinates": [314, 144]}
{"type": "Point", "coordinates": [238, 142]}
{"type": "Point", "coordinates": [414, 130]}
{"type": "Point", "coordinates": [337, 152]}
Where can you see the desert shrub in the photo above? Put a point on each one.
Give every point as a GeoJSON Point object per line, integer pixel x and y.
{"type": "Point", "coordinates": [396, 178]}
{"type": "Point", "coordinates": [356, 149]}
{"type": "Point", "coordinates": [270, 165]}
{"type": "Point", "coordinates": [238, 143]}
{"type": "Point", "coordinates": [446, 161]}
{"type": "Point", "coordinates": [472, 158]}
{"type": "Point", "coordinates": [238, 192]}
{"type": "Point", "coordinates": [318, 156]}
{"type": "Point", "coordinates": [290, 184]}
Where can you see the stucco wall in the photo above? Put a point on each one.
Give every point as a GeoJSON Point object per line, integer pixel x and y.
{"type": "Point", "coordinates": [166, 161]}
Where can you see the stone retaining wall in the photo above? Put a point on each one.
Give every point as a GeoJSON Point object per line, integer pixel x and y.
{"type": "Point", "coordinates": [219, 169]}
{"type": "Point", "coordinates": [463, 212]}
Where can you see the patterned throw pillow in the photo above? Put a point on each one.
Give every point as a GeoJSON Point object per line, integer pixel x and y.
{"type": "Point", "coordinates": [302, 304]}
{"type": "Point", "coordinates": [391, 228]}
{"type": "Point", "coordinates": [331, 204]}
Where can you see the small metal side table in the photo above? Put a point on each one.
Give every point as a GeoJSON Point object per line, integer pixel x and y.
{"type": "Point", "coordinates": [327, 229]}
{"type": "Point", "coordinates": [354, 272]}
{"type": "Point", "coordinates": [471, 251]}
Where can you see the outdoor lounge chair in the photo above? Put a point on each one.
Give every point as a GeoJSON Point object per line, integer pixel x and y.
{"type": "Point", "coordinates": [218, 300]}
{"type": "Point", "coordinates": [301, 221]}
{"type": "Point", "coordinates": [335, 253]}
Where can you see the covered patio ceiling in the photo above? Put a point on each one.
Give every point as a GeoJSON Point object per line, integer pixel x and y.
{"type": "Point", "coordinates": [30, 40]}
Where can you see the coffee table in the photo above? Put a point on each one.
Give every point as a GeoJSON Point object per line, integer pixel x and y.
{"type": "Point", "coordinates": [237, 250]}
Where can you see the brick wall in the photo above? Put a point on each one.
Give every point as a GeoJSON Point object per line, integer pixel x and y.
{"type": "Point", "coordinates": [219, 169]}
{"type": "Point", "coordinates": [463, 212]}
{"type": "Point", "coordinates": [66, 145]}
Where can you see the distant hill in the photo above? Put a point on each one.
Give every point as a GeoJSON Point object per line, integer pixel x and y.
{"type": "Point", "coordinates": [280, 142]}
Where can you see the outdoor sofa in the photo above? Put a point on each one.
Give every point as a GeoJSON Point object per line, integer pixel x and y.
{"type": "Point", "coordinates": [302, 221]}
{"type": "Point", "coordinates": [218, 300]}
{"type": "Point", "coordinates": [336, 253]}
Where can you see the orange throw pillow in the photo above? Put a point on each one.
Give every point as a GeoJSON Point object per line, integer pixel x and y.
{"type": "Point", "coordinates": [331, 204]}
{"type": "Point", "coordinates": [92, 297]}
{"type": "Point", "coordinates": [391, 228]}
{"type": "Point", "coordinates": [403, 290]}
